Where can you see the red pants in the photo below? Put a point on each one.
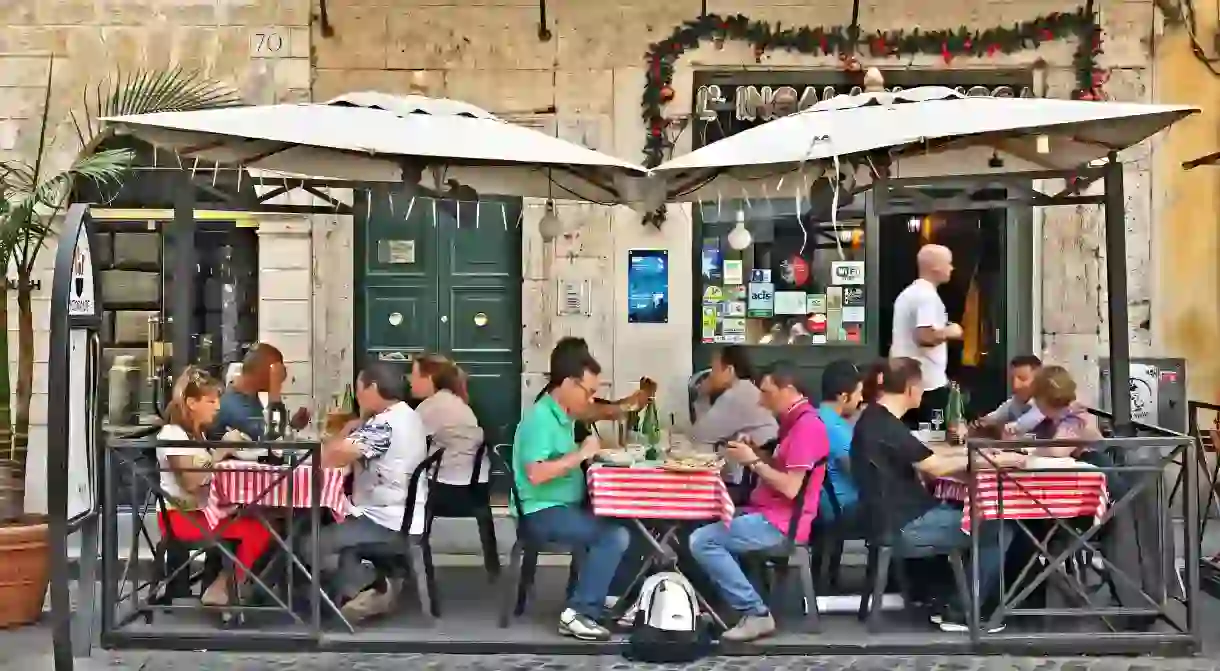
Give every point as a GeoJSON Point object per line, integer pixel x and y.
{"type": "Point", "coordinates": [252, 537]}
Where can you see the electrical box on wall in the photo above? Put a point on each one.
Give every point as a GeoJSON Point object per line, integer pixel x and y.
{"type": "Point", "coordinates": [573, 298]}
{"type": "Point", "coordinates": [1158, 391]}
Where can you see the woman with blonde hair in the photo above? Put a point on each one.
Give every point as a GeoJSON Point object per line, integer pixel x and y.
{"type": "Point", "coordinates": [185, 480]}
{"type": "Point", "coordinates": [1054, 394]}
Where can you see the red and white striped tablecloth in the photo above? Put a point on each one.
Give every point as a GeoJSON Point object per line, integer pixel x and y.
{"type": "Point", "coordinates": [1028, 495]}
{"type": "Point", "coordinates": [654, 493]}
{"type": "Point", "coordinates": [237, 482]}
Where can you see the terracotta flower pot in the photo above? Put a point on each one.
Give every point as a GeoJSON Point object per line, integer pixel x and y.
{"type": "Point", "coordinates": [24, 572]}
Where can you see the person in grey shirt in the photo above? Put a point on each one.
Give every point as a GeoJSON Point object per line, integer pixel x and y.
{"type": "Point", "coordinates": [735, 410]}
{"type": "Point", "coordinates": [1018, 415]}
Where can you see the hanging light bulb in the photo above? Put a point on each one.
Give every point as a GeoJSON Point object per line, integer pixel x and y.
{"type": "Point", "coordinates": [914, 224]}
{"type": "Point", "coordinates": [550, 227]}
{"type": "Point", "coordinates": [739, 237]}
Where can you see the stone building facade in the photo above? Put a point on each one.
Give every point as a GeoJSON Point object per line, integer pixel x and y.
{"type": "Point", "coordinates": [591, 73]}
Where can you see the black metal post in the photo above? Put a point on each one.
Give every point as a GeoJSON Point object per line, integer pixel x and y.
{"type": "Point", "coordinates": [181, 239]}
{"type": "Point", "coordinates": [1116, 297]}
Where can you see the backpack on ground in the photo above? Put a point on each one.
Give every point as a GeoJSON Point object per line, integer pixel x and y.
{"type": "Point", "coordinates": [668, 625]}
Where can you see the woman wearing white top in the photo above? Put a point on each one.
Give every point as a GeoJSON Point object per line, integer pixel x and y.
{"type": "Point", "coordinates": [184, 483]}
{"type": "Point", "coordinates": [440, 386]}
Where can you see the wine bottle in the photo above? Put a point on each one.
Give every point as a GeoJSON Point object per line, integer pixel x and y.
{"type": "Point", "coordinates": [348, 404]}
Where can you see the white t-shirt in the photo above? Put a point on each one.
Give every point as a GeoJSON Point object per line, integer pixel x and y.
{"type": "Point", "coordinates": [172, 489]}
{"type": "Point", "coordinates": [917, 306]}
{"type": "Point", "coordinates": [392, 443]}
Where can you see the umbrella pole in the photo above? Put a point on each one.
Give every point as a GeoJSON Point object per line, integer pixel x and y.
{"type": "Point", "coordinates": [1116, 299]}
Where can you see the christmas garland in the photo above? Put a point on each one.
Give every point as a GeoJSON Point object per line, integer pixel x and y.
{"type": "Point", "coordinates": [844, 41]}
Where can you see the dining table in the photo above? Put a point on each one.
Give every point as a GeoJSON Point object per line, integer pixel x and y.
{"type": "Point", "coordinates": [656, 501]}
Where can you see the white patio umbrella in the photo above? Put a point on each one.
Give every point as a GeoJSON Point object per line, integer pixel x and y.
{"type": "Point", "coordinates": [1049, 134]}
{"type": "Point", "coordinates": [434, 142]}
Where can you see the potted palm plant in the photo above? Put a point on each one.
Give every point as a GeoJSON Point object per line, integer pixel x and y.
{"type": "Point", "coordinates": [32, 196]}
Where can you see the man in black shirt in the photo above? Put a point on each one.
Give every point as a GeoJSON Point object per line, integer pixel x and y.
{"type": "Point", "coordinates": [887, 462]}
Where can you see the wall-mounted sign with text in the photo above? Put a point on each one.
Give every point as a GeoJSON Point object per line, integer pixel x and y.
{"type": "Point", "coordinates": [752, 103]}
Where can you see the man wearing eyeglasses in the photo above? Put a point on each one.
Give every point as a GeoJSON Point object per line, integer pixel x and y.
{"type": "Point", "coordinates": [550, 485]}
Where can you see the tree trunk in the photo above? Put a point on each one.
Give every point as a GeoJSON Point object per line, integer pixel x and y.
{"type": "Point", "coordinates": [12, 485]}
{"type": "Point", "coordinates": [25, 370]}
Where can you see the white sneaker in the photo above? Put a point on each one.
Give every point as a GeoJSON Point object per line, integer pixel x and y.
{"type": "Point", "coordinates": [750, 628]}
{"type": "Point", "coordinates": [581, 627]}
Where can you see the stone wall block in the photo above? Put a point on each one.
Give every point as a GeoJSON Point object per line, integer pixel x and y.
{"type": "Point", "coordinates": [584, 92]}
{"type": "Point", "coordinates": [462, 37]}
{"type": "Point", "coordinates": [593, 132]}
{"type": "Point", "coordinates": [65, 12]}
{"type": "Point", "coordinates": [360, 38]}
{"type": "Point", "coordinates": [610, 35]}
{"type": "Point", "coordinates": [1127, 33]}
{"type": "Point", "coordinates": [1072, 274]}
{"type": "Point", "coordinates": [503, 92]}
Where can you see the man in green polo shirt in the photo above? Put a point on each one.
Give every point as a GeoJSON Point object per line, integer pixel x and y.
{"type": "Point", "coordinates": [551, 484]}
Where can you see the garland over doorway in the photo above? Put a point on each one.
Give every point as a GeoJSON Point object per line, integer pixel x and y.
{"type": "Point", "coordinates": [662, 56]}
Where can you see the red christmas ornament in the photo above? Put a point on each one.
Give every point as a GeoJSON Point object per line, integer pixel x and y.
{"type": "Point", "coordinates": [657, 126]}
{"type": "Point", "coordinates": [667, 93]}
{"type": "Point", "coordinates": [968, 44]}
{"type": "Point", "coordinates": [992, 49]}
{"type": "Point", "coordinates": [1047, 35]}
{"type": "Point", "coordinates": [944, 53]}
{"type": "Point", "coordinates": [823, 45]}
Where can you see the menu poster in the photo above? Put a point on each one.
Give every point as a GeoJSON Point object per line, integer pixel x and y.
{"type": "Point", "coordinates": [710, 319]}
{"type": "Point", "coordinates": [790, 303]}
{"type": "Point", "coordinates": [733, 330]}
{"type": "Point", "coordinates": [711, 261]}
{"type": "Point", "coordinates": [761, 300]}
{"type": "Point", "coordinates": [647, 286]}
{"type": "Point", "coordinates": [853, 304]}
{"type": "Point", "coordinates": [733, 271]}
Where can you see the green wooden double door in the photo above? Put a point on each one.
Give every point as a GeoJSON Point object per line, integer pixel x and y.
{"type": "Point", "coordinates": [443, 276]}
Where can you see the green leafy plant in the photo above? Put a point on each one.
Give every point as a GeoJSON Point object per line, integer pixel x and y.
{"type": "Point", "coordinates": [33, 195]}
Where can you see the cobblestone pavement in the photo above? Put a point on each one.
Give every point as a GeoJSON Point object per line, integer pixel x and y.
{"type": "Point", "coordinates": [29, 650]}
{"type": "Point", "coordinates": [368, 662]}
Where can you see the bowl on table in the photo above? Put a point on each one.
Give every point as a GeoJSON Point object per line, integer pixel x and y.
{"type": "Point", "coordinates": [622, 456]}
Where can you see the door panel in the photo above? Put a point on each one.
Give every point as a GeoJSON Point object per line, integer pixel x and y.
{"type": "Point", "coordinates": [453, 272]}
{"type": "Point", "coordinates": [399, 318]}
{"type": "Point", "coordinates": [481, 296]}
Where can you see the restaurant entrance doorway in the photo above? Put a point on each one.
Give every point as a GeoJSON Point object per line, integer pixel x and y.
{"type": "Point", "coordinates": [987, 268]}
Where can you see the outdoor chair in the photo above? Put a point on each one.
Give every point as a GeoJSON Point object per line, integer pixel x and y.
{"type": "Point", "coordinates": [830, 536]}
{"type": "Point", "coordinates": [881, 540]}
{"type": "Point", "coordinates": [518, 584]}
{"type": "Point", "coordinates": [413, 550]}
{"type": "Point", "coordinates": [475, 503]}
{"type": "Point", "coordinates": [777, 562]}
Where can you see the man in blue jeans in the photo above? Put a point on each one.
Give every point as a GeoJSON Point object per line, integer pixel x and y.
{"type": "Point", "coordinates": [549, 479]}
{"type": "Point", "coordinates": [888, 462]}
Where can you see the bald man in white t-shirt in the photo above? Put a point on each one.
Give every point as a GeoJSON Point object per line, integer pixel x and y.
{"type": "Point", "coordinates": [922, 329]}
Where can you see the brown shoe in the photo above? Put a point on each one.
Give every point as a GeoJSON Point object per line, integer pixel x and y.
{"type": "Point", "coordinates": [217, 594]}
{"type": "Point", "coordinates": [372, 602]}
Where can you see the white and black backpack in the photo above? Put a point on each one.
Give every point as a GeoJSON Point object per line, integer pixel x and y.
{"type": "Point", "coordinates": [668, 626]}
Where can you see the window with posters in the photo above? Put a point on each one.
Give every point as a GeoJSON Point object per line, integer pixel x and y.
{"type": "Point", "coordinates": [798, 282]}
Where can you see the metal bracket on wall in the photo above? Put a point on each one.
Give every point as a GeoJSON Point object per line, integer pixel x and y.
{"type": "Point", "coordinates": [544, 32]}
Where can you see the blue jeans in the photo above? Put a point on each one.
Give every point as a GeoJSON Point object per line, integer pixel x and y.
{"type": "Point", "coordinates": [715, 547]}
{"type": "Point", "coordinates": [939, 531]}
{"type": "Point", "coordinates": [605, 543]}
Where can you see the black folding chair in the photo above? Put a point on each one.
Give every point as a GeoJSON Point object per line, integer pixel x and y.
{"type": "Point", "coordinates": [413, 550]}
{"type": "Point", "coordinates": [791, 553]}
{"type": "Point", "coordinates": [518, 584]}
{"type": "Point", "coordinates": [474, 503]}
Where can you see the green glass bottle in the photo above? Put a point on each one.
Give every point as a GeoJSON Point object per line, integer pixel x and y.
{"type": "Point", "coordinates": [955, 415]}
{"type": "Point", "coordinates": [348, 404]}
{"type": "Point", "coordinates": [650, 428]}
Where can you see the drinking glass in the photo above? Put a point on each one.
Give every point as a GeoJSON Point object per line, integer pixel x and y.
{"type": "Point", "coordinates": [938, 420]}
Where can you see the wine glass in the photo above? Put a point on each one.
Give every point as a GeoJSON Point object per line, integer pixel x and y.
{"type": "Point", "coordinates": [938, 420]}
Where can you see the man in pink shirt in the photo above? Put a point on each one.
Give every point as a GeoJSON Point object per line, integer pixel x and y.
{"type": "Point", "coordinates": [764, 521]}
